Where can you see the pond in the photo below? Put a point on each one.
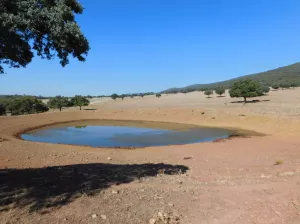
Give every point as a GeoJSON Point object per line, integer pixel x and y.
{"type": "Point", "coordinates": [105, 133]}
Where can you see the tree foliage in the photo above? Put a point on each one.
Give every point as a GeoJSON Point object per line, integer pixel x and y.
{"type": "Point", "coordinates": [158, 95]}
{"type": "Point", "coordinates": [246, 88]}
{"type": "Point", "coordinates": [266, 89]}
{"type": "Point", "coordinates": [208, 92]}
{"type": "Point", "coordinates": [58, 102]}
{"type": "Point", "coordinates": [25, 105]}
{"type": "Point", "coordinates": [275, 86]}
{"type": "Point", "coordinates": [47, 27]}
{"type": "Point", "coordinates": [80, 101]}
{"type": "Point", "coordinates": [220, 90]}
{"type": "Point", "coordinates": [114, 96]}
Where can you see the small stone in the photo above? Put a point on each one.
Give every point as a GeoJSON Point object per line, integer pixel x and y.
{"type": "Point", "coordinates": [114, 192]}
{"type": "Point", "coordinates": [171, 205]}
{"type": "Point", "coordinates": [108, 158]}
{"type": "Point", "coordinates": [65, 219]}
{"type": "Point", "coordinates": [103, 217]}
{"type": "Point", "coordinates": [152, 221]}
{"type": "Point", "coordinates": [94, 216]}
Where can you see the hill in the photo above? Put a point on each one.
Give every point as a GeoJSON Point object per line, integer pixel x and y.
{"type": "Point", "coordinates": [282, 75]}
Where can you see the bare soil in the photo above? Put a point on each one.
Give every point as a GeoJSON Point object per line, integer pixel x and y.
{"type": "Point", "coordinates": [232, 181]}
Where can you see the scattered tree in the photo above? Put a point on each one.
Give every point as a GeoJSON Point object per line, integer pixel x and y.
{"type": "Point", "coordinates": [294, 84]}
{"type": "Point", "coordinates": [158, 95]}
{"type": "Point", "coordinates": [275, 86]}
{"type": "Point", "coordinates": [58, 102]}
{"type": "Point", "coordinates": [246, 88]}
{"type": "Point", "coordinates": [114, 96]}
{"type": "Point", "coordinates": [123, 96]}
{"type": "Point", "coordinates": [208, 93]}
{"type": "Point", "coordinates": [80, 101]}
{"type": "Point", "coordinates": [142, 95]}
{"type": "Point", "coordinates": [46, 27]}
{"type": "Point", "coordinates": [25, 105]}
{"type": "Point", "coordinates": [220, 90]}
{"type": "Point", "coordinates": [266, 89]}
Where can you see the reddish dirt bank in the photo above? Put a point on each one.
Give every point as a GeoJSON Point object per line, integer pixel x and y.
{"type": "Point", "coordinates": [234, 181]}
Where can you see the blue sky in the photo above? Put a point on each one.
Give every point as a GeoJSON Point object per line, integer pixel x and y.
{"type": "Point", "coordinates": [152, 45]}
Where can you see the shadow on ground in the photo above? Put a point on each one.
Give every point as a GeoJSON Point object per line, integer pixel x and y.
{"type": "Point", "coordinates": [252, 101]}
{"type": "Point", "coordinates": [49, 187]}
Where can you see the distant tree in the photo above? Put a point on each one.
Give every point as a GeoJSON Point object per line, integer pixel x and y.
{"type": "Point", "coordinates": [246, 88]}
{"type": "Point", "coordinates": [25, 105]}
{"type": "Point", "coordinates": [284, 85]}
{"type": "Point", "coordinates": [158, 95]}
{"type": "Point", "coordinates": [114, 96]}
{"type": "Point", "coordinates": [45, 27]}
{"type": "Point", "coordinates": [123, 96]}
{"type": "Point", "coordinates": [294, 84]}
{"type": "Point", "coordinates": [58, 102]}
{"type": "Point", "coordinates": [275, 86]}
{"type": "Point", "coordinates": [142, 95]}
{"type": "Point", "coordinates": [208, 93]}
{"type": "Point", "coordinates": [220, 90]}
{"type": "Point", "coordinates": [131, 96]}
{"type": "Point", "coordinates": [80, 101]}
{"type": "Point", "coordinates": [89, 97]}
{"type": "Point", "coordinates": [266, 89]}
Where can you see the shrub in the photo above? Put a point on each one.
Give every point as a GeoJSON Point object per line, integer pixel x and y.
{"type": "Point", "coordinates": [208, 93]}
{"type": "Point", "coordinates": [279, 162]}
{"type": "Point", "coordinates": [158, 95]}
{"type": "Point", "coordinates": [26, 105]}
{"type": "Point", "coordinates": [246, 88]}
{"type": "Point", "coordinates": [266, 89]}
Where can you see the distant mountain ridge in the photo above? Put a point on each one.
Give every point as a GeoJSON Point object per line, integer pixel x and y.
{"type": "Point", "coordinates": [286, 74]}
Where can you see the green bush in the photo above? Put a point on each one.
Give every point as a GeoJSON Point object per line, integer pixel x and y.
{"type": "Point", "coordinates": [158, 95]}
{"type": "Point", "coordinates": [25, 105]}
{"type": "Point", "coordinates": [266, 89]}
{"type": "Point", "coordinates": [275, 86]}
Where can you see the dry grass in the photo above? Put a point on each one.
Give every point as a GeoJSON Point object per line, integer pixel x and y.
{"type": "Point", "coordinates": [278, 162]}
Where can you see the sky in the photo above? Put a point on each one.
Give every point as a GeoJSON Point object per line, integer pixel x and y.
{"type": "Point", "coordinates": [152, 45]}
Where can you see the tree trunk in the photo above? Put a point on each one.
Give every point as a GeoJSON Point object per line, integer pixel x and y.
{"type": "Point", "coordinates": [245, 99]}
{"type": "Point", "coordinates": [60, 109]}
{"type": "Point", "coordinates": [80, 107]}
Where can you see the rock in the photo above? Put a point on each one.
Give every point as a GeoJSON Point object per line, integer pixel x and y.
{"type": "Point", "coordinates": [65, 219]}
{"type": "Point", "coordinates": [171, 205]}
{"type": "Point", "coordinates": [187, 158]}
{"type": "Point", "coordinates": [94, 216]}
{"type": "Point", "coordinates": [114, 192]}
{"type": "Point", "coordinates": [103, 217]}
{"type": "Point", "coordinates": [152, 221]}
{"type": "Point", "coordinates": [108, 158]}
